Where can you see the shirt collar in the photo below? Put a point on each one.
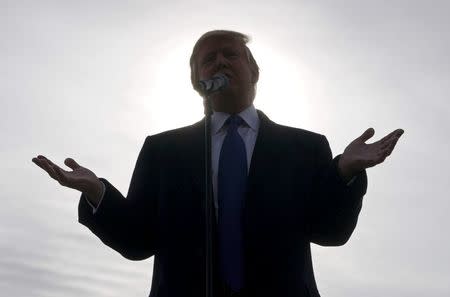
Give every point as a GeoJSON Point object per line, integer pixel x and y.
{"type": "Point", "coordinates": [249, 115]}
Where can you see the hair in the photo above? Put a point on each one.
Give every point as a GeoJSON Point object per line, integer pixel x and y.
{"type": "Point", "coordinates": [242, 38]}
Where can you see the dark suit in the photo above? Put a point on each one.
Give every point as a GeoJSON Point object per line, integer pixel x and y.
{"type": "Point", "coordinates": [295, 196]}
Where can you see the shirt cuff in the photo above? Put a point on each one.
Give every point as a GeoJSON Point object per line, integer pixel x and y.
{"type": "Point", "coordinates": [94, 209]}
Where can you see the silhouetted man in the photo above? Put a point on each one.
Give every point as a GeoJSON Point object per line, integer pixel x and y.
{"type": "Point", "coordinates": [276, 190]}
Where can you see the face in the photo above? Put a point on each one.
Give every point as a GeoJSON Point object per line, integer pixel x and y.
{"type": "Point", "coordinates": [228, 56]}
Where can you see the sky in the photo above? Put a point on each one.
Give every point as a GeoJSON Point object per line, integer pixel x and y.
{"type": "Point", "coordinates": [91, 79]}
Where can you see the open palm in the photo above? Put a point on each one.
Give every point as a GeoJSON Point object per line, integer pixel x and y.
{"type": "Point", "coordinates": [80, 178]}
{"type": "Point", "coordinates": [359, 155]}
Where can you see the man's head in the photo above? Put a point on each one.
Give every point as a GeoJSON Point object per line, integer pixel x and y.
{"type": "Point", "coordinates": [226, 52]}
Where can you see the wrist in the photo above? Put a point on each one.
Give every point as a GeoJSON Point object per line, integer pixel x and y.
{"type": "Point", "coordinates": [95, 194]}
{"type": "Point", "coordinates": [344, 170]}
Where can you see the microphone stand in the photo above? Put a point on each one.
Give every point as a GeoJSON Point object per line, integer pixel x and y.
{"type": "Point", "coordinates": [208, 198]}
{"type": "Point", "coordinates": [216, 83]}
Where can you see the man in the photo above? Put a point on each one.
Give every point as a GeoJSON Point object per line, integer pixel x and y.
{"type": "Point", "coordinates": [276, 190]}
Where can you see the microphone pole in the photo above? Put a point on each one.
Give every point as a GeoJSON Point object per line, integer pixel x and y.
{"type": "Point", "coordinates": [208, 197]}
{"type": "Point", "coordinates": [216, 83]}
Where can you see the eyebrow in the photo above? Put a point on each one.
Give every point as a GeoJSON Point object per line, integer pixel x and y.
{"type": "Point", "coordinates": [225, 48]}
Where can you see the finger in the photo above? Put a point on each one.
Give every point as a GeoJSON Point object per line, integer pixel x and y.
{"type": "Point", "coordinates": [395, 133]}
{"type": "Point", "coordinates": [366, 135]}
{"type": "Point", "coordinates": [40, 158]}
{"type": "Point", "coordinates": [71, 163]}
{"type": "Point", "coordinates": [44, 164]}
{"type": "Point", "coordinates": [386, 139]}
{"type": "Point", "coordinates": [387, 143]}
{"type": "Point", "coordinates": [54, 166]}
{"type": "Point", "coordinates": [51, 163]}
{"type": "Point", "coordinates": [400, 132]}
{"type": "Point", "coordinates": [60, 176]}
{"type": "Point", "coordinates": [390, 147]}
{"type": "Point", "coordinates": [41, 161]}
{"type": "Point", "coordinates": [38, 162]}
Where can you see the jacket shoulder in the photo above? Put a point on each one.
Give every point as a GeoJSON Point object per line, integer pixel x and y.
{"type": "Point", "coordinates": [290, 133]}
{"type": "Point", "coordinates": [293, 134]}
{"type": "Point", "coordinates": [176, 137]}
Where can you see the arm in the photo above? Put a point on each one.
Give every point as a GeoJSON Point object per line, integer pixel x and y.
{"type": "Point", "coordinates": [334, 204]}
{"type": "Point", "coordinates": [128, 225]}
{"type": "Point", "coordinates": [334, 207]}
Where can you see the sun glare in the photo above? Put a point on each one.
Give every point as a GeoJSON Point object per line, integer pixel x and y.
{"type": "Point", "coordinates": [287, 90]}
{"type": "Point", "coordinates": [164, 92]}
{"type": "Point", "coordinates": [286, 87]}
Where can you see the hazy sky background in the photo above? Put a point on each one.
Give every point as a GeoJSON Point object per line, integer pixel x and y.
{"type": "Point", "coordinates": [91, 79]}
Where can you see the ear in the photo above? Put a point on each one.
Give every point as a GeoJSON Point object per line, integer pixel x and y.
{"type": "Point", "coordinates": [255, 75]}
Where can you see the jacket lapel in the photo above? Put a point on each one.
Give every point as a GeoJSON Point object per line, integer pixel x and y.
{"type": "Point", "coordinates": [264, 147]}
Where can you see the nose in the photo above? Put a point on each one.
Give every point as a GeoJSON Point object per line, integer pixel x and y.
{"type": "Point", "coordinates": [222, 61]}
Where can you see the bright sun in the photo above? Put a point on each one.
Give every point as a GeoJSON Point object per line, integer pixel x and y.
{"type": "Point", "coordinates": [282, 91]}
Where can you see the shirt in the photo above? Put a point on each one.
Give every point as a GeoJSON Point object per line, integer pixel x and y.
{"type": "Point", "coordinates": [248, 131]}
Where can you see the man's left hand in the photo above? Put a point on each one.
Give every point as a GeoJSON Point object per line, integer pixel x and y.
{"type": "Point", "coordinates": [358, 155]}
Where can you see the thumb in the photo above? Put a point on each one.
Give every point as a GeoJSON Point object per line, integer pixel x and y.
{"type": "Point", "coordinates": [71, 163]}
{"type": "Point", "coordinates": [366, 135]}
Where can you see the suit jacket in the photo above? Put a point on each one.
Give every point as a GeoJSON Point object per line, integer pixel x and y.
{"type": "Point", "coordinates": [295, 196]}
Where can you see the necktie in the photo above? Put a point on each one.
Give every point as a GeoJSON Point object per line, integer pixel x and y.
{"type": "Point", "coordinates": [232, 179]}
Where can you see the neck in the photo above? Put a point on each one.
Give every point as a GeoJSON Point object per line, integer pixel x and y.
{"type": "Point", "coordinates": [231, 109]}
{"type": "Point", "coordinates": [230, 104]}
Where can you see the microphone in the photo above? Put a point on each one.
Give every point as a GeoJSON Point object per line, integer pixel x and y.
{"type": "Point", "coordinates": [217, 82]}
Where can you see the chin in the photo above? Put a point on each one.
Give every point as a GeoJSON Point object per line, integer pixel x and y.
{"type": "Point", "coordinates": [230, 107]}
{"type": "Point", "coordinates": [230, 100]}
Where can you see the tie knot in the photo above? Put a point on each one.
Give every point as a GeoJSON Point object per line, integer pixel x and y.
{"type": "Point", "coordinates": [234, 121]}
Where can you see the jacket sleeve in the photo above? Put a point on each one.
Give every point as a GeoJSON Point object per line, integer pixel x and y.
{"type": "Point", "coordinates": [128, 225]}
{"type": "Point", "coordinates": [334, 205]}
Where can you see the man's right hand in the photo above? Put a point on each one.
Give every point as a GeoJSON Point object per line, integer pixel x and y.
{"type": "Point", "coordinates": [81, 178]}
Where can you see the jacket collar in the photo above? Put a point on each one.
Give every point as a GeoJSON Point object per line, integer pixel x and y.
{"type": "Point", "coordinates": [249, 115]}
{"type": "Point", "coordinates": [265, 143]}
